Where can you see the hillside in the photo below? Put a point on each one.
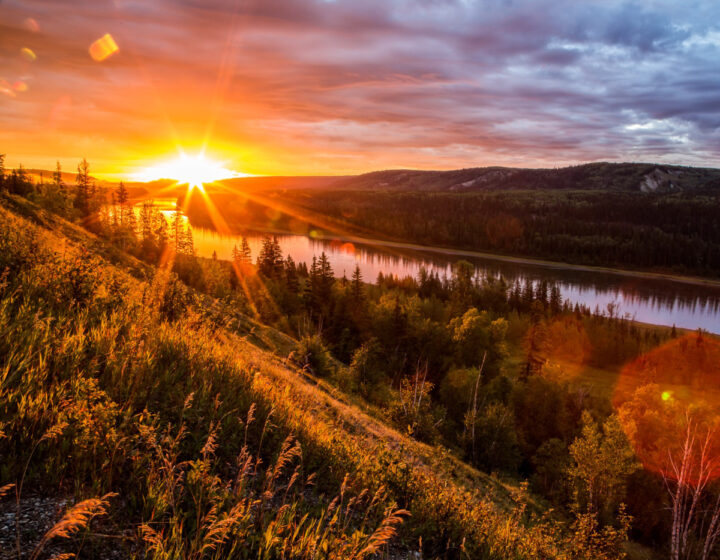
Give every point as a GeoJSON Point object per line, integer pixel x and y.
{"type": "Point", "coordinates": [184, 429]}
{"type": "Point", "coordinates": [619, 177]}
{"type": "Point", "coordinates": [629, 177]}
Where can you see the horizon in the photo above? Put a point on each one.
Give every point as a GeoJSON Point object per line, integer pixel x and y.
{"type": "Point", "coordinates": [309, 87]}
{"type": "Point", "coordinates": [118, 177]}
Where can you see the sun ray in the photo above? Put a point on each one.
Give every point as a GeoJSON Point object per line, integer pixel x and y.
{"type": "Point", "coordinates": [194, 171]}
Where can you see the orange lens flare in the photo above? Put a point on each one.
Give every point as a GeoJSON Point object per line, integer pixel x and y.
{"type": "Point", "coordinates": [103, 48]}
{"type": "Point", "coordinates": [668, 401]}
{"type": "Point", "coordinates": [6, 88]}
{"type": "Point", "coordinates": [28, 54]}
{"type": "Point", "coordinates": [31, 25]}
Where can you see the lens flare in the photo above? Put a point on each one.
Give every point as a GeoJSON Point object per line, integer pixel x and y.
{"type": "Point", "coordinates": [28, 54]}
{"type": "Point", "coordinates": [103, 48]}
{"type": "Point", "coordinates": [193, 170]}
{"type": "Point", "coordinates": [31, 25]}
{"type": "Point", "coordinates": [668, 401]}
{"type": "Point", "coordinates": [6, 88]}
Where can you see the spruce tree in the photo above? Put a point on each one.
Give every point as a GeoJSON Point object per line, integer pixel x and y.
{"type": "Point", "coordinates": [122, 196]}
{"type": "Point", "coordinates": [245, 253]}
{"type": "Point", "coordinates": [82, 181]}
{"type": "Point", "coordinates": [555, 300]}
{"type": "Point", "coordinates": [357, 287]}
{"type": "Point", "coordinates": [291, 276]}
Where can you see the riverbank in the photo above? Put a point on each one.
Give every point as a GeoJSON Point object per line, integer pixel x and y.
{"type": "Point", "coordinates": [553, 265]}
{"type": "Point", "coordinates": [511, 259]}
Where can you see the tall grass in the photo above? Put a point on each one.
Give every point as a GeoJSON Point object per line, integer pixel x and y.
{"type": "Point", "coordinates": [214, 448]}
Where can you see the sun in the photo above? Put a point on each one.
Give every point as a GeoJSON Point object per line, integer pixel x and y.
{"type": "Point", "coordinates": [193, 170]}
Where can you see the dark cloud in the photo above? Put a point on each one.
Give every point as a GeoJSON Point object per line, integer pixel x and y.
{"type": "Point", "coordinates": [424, 83]}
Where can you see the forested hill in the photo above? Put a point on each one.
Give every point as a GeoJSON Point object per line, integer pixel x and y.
{"type": "Point", "coordinates": [642, 177]}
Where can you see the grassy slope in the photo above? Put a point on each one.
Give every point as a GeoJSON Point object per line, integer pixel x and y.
{"type": "Point", "coordinates": [143, 362]}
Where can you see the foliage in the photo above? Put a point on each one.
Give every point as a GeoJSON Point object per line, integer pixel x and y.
{"type": "Point", "coordinates": [602, 460]}
{"type": "Point", "coordinates": [312, 356]}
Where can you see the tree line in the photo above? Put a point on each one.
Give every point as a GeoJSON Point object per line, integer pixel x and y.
{"type": "Point", "coordinates": [653, 231]}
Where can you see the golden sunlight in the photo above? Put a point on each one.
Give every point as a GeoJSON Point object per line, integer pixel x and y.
{"type": "Point", "coordinates": [193, 170]}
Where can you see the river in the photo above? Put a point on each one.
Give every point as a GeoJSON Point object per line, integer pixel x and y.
{"type": "Point", "coordinates": [648, 300]}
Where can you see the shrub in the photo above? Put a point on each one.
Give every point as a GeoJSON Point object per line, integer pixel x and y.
{"type": "Point", "coordinates": [312, 356]}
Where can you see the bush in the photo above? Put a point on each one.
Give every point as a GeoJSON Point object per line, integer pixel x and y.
{"type": "Point", "coordinates": [312, 356]}
{"type": "Point", "coordinates": [366, 367]}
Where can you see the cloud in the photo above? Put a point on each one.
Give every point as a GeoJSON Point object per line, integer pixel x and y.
{"type": "Point", "coordinates": [344, 86]}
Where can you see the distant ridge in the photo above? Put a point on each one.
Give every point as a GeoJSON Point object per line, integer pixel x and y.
{"type": "Point", "coordinates": [644, 177]}
{"type": "Point", "coordinates": [626, 177]}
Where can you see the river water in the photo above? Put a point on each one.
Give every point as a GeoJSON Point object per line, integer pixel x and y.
{"type": "Point", "coordinates": [649, 300]}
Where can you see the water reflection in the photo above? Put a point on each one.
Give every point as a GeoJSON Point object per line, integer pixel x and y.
{"type": "Point", "coordinates": [656, 301]}
{"type": "Point", "coordinates": [647, 300]}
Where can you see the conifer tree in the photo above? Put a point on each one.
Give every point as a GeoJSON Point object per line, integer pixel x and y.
{"type": "Point", "coordinates": [357, 287]}
{"type": "Point", "coordinates": [291, 276]}
{"type": "Point", "coordinates": [19, 182]}
{"type": "Point", "coordinates": [245, 253]}
{"type": "Point", "coordinates": [555, 300]}
{"type": "Point", "coordinates": [83, 183]}
{"type": "Point", "coordinates": [121, 196]}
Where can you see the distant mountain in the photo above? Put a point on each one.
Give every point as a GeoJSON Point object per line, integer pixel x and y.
{"type": "Point", "coordinates": [642, 177]}
{"type": "Point", "coordinates": [625, 177]}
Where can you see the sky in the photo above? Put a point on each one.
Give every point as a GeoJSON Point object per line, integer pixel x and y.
{"type": "Point", "coordinates": [346, 86]}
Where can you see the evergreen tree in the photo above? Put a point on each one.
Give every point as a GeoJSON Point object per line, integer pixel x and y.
{"type": "Point", "coordinates": [19, 182]}
{"type": "Point", "coordinates": [278, 263]}
{"type": "Point", "coordinates": [83, 184]}
{"type": "Point", "coordinates": [515, 298]}
{"type": "Point", "coordinates": [462, 289]}
{"type": "Point", "coordinates": [60, 187]}
{"type": "Point", "coordinates": [146, 221]}
{"type": "Point", "coordinates": [270, 261]}
{"type": "Point", "coordinates": [161, 233]}
{"type": "Point", "coordinates": [535, 348]}
{"type": "Point", "coordinates": [291, 276]}
{"type": "Point", "coordinates": [528, 294]}
{"type": "Point", "coordinates": [57, 179]}
{"type": "Point", "coordinates": [318, 295]}
{"type": "Point", "coordinates": [357, 286]}
{"type": "Point", "coordinates": [245, 253]}
{"type": "Point", "coordinates": [555, 300]}
{"type": "Point", "coordinates": [2, 172]}
{"type": "Point", "coordinates": [310, 285]}
{"type": "Point", "coordinates": [542, 293]}
{"type": "Point", "coordinates": [177, 227]}
{"type": "Point", "coordinates": [326, 277]}
{"type": "Point", "coordinates": [121, 196]}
